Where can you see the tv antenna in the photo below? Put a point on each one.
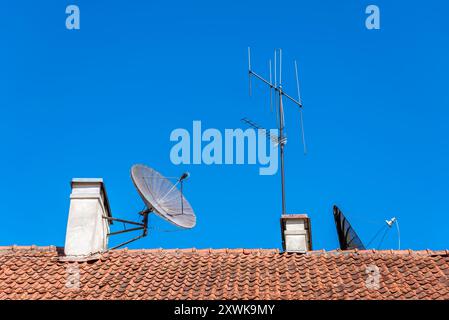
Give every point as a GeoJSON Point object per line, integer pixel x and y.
{"type": "Point", "coordinates": [161, 197]}
{"type": "Point", "coordinates": [276, 88]}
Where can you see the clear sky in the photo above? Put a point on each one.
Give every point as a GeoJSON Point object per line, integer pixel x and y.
{"type": "Point", "coordinates": [94, 101]}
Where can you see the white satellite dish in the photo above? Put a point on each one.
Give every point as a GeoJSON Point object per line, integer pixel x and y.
{"type": "Point", "coordinates": [160, 197]}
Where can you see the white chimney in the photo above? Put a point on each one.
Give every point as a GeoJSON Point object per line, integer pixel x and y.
{"type": "Point", "coordinates": [296, 233]}
{"type": "Point", "coordinates": [87, 230]}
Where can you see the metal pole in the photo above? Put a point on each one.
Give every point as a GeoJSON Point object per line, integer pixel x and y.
{"type": "Point", "coordinates": [124, 231]}
{"type": "Point", "coordinates": [145, 224]}
{"type": "Point", "coordinates": [124, 221]}
{"type": "Point", "coordinates": [281, 145]}
{"type": "Point", "coordinates": [129, 241]}
{"type": "Point", "coordinates": [249, 70]}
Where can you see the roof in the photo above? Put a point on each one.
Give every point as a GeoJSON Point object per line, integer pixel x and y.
{"type": "Point", "coordinates": [40, 273]}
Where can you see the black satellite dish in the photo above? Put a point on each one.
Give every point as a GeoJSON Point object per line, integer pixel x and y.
{"type": "Point", "coordinates": [347, 236]}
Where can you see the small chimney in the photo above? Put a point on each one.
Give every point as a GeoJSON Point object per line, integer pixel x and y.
{"type": "Point", "coordinates": [296, 233]}
{"type": "Point", "coordinates": [87, 230]}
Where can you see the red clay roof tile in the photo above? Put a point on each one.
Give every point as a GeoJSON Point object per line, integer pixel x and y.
{"type": "Point", "coordinates": [38, 273]}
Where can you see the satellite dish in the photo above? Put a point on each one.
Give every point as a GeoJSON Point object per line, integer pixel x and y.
{"type": "Point", "coordinates": [347, 236]}
{"type": "Point", "coordinates": [162, 197]}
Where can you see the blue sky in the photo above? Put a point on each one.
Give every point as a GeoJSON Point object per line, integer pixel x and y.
{"type": "Point", "coordinates": [94, 101]}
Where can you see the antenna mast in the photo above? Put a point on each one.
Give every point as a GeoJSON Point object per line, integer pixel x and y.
{"type": "Point", "coordinates": [279, 93]}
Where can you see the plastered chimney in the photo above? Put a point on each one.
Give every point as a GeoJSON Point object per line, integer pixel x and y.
{"type": "Point", "coordinates": [87, 230]}
{"type": "Point", "coordinates": [296, 233]}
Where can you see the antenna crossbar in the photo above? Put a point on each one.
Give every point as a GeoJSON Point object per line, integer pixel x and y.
{"type": "Point", "coordinates": [276, 88]}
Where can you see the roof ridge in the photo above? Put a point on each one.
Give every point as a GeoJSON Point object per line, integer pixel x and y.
{"type": "Point", "coordinates": [425, 252]}
{"type": "Point", "coordinates": [205, 251]}
{"type": "Point", "coordinates": [50, 248]}
{"type": "Point", "coordinates": [201, 251]}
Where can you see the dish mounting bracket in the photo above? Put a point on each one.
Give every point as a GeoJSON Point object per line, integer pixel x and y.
{"type": "Point", "coordinates": [140, 226]}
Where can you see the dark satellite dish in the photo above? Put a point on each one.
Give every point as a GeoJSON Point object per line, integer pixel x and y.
{"type": "Point", "coordinates": [162, 197]}
{"type": "Point", "coordinates": [347, 236]}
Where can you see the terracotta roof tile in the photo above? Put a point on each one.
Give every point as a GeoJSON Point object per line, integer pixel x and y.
{"type": "Point", "coordinates": [38, 273]}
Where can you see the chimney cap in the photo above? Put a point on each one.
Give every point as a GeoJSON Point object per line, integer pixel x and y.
{"type": "Point", "coordinates": [294, 216]}
{"type": "Point", "coordinates": [87, 180]}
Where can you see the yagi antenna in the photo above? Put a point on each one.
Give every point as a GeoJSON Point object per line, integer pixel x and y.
{"type": "Point", "coordinates": [265, 132]}
{"type": "Point", "coordinates": [279, 94]}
